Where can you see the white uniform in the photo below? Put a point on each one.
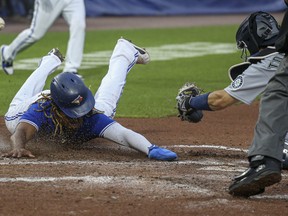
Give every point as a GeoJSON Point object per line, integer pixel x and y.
{"type": "Point", "coordinates": [124, 57]}
{"type": "Point", "coordinates": [44, 15]}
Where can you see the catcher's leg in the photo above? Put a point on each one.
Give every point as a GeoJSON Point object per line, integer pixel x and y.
{"type": "Point", "coordinates": [30, 90]}
{"type": "Point", "coordinates": [125, 55]}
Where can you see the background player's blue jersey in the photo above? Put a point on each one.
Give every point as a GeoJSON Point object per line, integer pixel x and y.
{"type": "Point", "coordinates": [93, 125]}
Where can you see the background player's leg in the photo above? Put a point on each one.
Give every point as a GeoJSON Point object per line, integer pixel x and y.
{"type": "Point", "coordinates": [75, 16]}
{"type": "Point", "coordinates": [43, 18]}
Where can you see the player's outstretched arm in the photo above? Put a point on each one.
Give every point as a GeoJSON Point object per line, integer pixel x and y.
{"type": "Point", "coordinates": [220, 99]}
{"type": "Point", "coordinates": [24, 132]}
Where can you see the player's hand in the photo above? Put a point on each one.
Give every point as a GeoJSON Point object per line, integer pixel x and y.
{"type": "Point", "coordinates": [18, 153]}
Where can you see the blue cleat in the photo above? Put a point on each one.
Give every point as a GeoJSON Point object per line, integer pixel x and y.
{"type": "Point", "coordinates": [157, 153]}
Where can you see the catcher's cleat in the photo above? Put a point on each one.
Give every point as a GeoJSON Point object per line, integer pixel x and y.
{"type": "Point", "coordinates": [56, 52]}
{"type": "Point", "coordinates": [7, 65]}
{"type": "Point", "coordinates": [262, 173]}
{"type": "Point", "coordinates": [144, 57]}
{"type": "Point", "coordinates": [157, 153]}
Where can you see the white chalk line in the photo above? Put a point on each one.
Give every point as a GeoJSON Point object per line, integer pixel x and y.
{"type": "Point", "coordinates": [276, 197]}
{"type": "Point", "coordinates": [135, 182]}
{"type": "Point", "coordinates": [160, 53]}
{"type": "Point", "coordinates": [213, 163]}
{"type": "Point", "coordinates": [209, 147]}
{"type": "Point", "coordinates": [8, 161]}
{"type": "Point", "coordinates": [161, 186]}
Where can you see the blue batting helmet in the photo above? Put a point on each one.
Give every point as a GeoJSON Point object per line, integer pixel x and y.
{"type": "Point", "coordinates": [70, 94]}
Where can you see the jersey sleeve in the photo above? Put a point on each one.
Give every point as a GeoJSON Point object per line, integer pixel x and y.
{"type": "Point", "coordinates": [94, 126]}
{"type": "Point", "coordinates": [252, 82]}
{"type": "Point", "coordinates": [34, 117]}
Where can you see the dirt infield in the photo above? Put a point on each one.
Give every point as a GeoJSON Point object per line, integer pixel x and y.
{"type": "Point", "coordinates": [102, 178]}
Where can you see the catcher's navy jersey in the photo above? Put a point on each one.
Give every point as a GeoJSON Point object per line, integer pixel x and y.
{"type": "Point", "coordinates": [93, 125]}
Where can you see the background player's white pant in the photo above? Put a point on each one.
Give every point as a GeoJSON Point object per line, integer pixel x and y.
{"type": "Point", "coordinates": [45, 14]}
{"type": "Point", "coordinates": [30, 91]}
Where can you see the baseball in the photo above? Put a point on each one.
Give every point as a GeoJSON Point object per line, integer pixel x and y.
{"type": "Point", "coordinates": [2, 23]}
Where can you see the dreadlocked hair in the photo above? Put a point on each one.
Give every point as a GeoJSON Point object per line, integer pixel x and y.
{"type": "Point", "coordinates": [60, 120]}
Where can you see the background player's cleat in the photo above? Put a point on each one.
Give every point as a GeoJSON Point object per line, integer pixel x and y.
{"type": "Point", "coordinates": [262, 173]}
{"type": "Point", "coordinates": [157, 153]}
{"type": "Point", "coordinates": [144, 57]}
{"type": "Point", "coordinates": [7, 65]}
{"type": "Point", "coordinates": [56, 52]}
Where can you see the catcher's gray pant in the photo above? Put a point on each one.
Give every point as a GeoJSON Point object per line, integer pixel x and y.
{"type": "Point", "coordinates": [272, 125]}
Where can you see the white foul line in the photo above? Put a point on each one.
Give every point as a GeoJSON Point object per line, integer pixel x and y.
{"type": "Point", "coordinates": [210, 147]}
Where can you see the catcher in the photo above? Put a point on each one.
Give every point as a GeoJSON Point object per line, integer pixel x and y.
{"type": "Point", "coordinates": [257, 34]}
{"type": "Point", "coordinates": [69, 112]}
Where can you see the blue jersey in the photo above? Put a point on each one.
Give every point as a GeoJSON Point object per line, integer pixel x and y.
{"type": "Point", "coordinates": [93, 125]}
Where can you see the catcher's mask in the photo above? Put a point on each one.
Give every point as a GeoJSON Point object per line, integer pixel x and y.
{"type": "Point", "coordinates": [259, 30]}
{"type": "Point", "coordinates": [70, 94]}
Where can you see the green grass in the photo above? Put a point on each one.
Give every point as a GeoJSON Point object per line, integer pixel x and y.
{"type": "Point", "coordinates": [151, 89]}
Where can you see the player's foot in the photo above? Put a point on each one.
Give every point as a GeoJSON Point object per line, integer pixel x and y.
{"type": "Point", "coordinates": [56, 52]}
{"type": "Point", "coordinates": [7, 65]}
{"type": "Point", "coordinates": [157, 153]}
{"type": "Point", "coordinates": [262, 173]}
{"type": "Point", "coordinates": [144, 57]}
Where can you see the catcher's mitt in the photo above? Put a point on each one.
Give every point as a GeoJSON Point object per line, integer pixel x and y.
{"type": "Point", "coordinates": [185, 112]}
